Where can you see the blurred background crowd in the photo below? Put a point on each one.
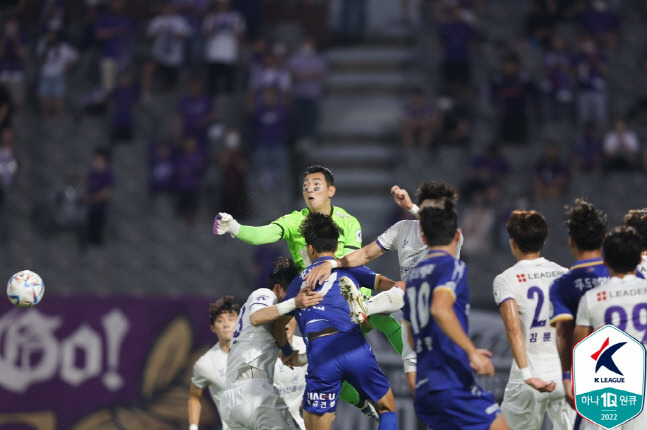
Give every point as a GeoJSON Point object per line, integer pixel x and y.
{"type": "Point", "coordinates": [125, 126]}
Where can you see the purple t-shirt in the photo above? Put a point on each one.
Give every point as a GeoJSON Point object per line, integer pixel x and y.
{"type": "Point", "coordinates": [310, 87]}
{"type": "Point", "coordinates": [599, 22]}
{"type": "Point", "coordinates": [557, 64]}
{"type": "Point", "coordinates": [589, 77]}
{"type": "Point", "coordinates": [588, 150]}
{"type": "Point", "coordinates": [418, 113]}
{"type": "Point", "coordinates": [117, 47]}
{"type": "Point", "coordinates": [456, 38]}
{"type": "Point", "coordinates": [271, 124]}
{"type": "Point", "coordinates": [549, 171]}
{"type": "Point", "coordinates": [512, 92]}
{"type": "Point", "coordinates": [189, 170]}
{"type": "Point", "coordinates": [194, 112]}
{"type": "Point", "coordinates": [11, 61]}
{"type": "Point", "coordinates": [99, 180]}
{"type": "Point", "coordinates": [124, 99]}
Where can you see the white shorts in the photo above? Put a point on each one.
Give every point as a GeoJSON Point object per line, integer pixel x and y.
{"type": "Point", "coordinates": [523, 407]}
{"type": "Point", "coordinates": [255, 404]}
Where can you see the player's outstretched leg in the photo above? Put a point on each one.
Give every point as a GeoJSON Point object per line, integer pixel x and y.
{"type": "Point", "coordinates": [390, 327]}
{"type": "Point", "coordinates": [350, 395]}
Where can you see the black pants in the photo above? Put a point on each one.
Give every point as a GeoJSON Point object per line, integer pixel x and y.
{"type": "Point", "coordinates": [221, 78]}
{"type": "Point", "coordinates": [96, 222]}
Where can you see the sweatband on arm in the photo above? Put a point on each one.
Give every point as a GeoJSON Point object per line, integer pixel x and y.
{"type": "Point", "coordinates": [286, 306]}
{"type": "Point", "coordinates": [193, 427]}
{"type": "Point", "coordinates": [333, 263]}
{"type": "Point", "coordinates": [414, 209]}
{"type": "Point", "coordinates": [525, 373]}
{"type": "Point", "coordinates": [566, 375]}
{"type": "Point", "coordinates": [286, 349]}
{"type": "Point", "coordinates": [260, 235]}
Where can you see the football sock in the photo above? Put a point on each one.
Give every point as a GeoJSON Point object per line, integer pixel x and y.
{"type": "Point", "coordinates": [388, 421]}
{"type": "Point", "coordinates": [386, 302]}
{"type": "Point", "coordinates": [391, 329]}
{"type": "Point", "coordinates": [349, 394]}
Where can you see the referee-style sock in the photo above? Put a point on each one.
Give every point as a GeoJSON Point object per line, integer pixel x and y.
{"type": "Point", "coordinates": [388, 421]}
{"type": "Point", "coordinates": [391, 329]}
{"type": "Point", "coordinates": [386, 302]}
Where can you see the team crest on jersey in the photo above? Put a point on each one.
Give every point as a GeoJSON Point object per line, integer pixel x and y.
{"type": "Point", "coordinates": [521, 277]}
{"type": "Point", "coordinates": [609, 377]}
{"type": "Point", "coordinates": [601, 296]}
{"type": "Point", "coordinates": [358, 236]}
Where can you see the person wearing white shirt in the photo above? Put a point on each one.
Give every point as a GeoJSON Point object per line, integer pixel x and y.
{"type": "Point", "coordinates": [621, 148]}
{"type": "Point", "coordinates": [251, 401]}
{"type": "Point", "coordinates": [56, 57]}
{"type": "Point", "coordinates": [521, 292]}
{"type": "Point", "coordinates": [619, 302]}
{"type": "Point", "coordinates": [637, 218]}
{"type": "Point", "coordinates": [210, 369]}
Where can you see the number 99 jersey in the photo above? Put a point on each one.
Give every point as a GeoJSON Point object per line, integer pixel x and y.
{"type": "Point", "coordinates": [528, 283]}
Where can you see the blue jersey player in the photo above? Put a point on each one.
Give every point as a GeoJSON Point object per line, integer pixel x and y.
{"type": "Point", "coordinates": [586, 227]}
{"type": "Point", "coordinates": [336, 348]}
{"type": "Point", "coordinates": [436, 304]}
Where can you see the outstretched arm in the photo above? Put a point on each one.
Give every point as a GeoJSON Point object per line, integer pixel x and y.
{"type": "Point", "coordinates": [510, 315]}
{"type": "Point", "coordinates": [225, 223]}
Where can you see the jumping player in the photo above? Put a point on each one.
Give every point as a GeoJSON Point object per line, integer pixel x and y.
{"type": "Point", "coordinates": [250, 400]}
{"type": "Point", "coordinates": [437, 298]}
{"type": "Point", "coordinates": [535, 384]}
{"type": "Point", "coordinates": [586, 227]}
{"type": "Point", "coordinates": [624, 299]}
{"type": "Point", "coordinates": [337, 350]}
{"type": "Point", "coordinates": [209, 370]}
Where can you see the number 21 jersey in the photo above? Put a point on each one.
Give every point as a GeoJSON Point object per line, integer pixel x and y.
{"type": "Point", "coordinates": [528, 283]}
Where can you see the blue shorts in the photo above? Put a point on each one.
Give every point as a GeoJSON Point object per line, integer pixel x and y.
{"type": "Point", "coordinates": [457, 408]}
{"type": "Point", "coordinates": [336, 358]}
{"type": "Point", "coordinates": [51, 86]}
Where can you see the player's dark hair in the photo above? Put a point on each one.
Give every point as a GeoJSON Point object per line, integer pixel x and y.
{"type": "Point", "coordinates": [321, 232]}
{"type": "Point", "coordinates": [529, 230]}
{"type": "Point", "coordinates": [586, 225]}
{"type": "Point", "coordinates": [431, 190]}
{"type": "Point", "coordinates": [637, 218]}
{"type": "Point", "coordinates": [330, 179]}
{"type": "Point", "coordinates": [225, 304]}
{"type": "Point", "coordinates": [283, 272]}
{"type": "Point", "coordinates": [438, 221]}
{"type": "Point", "coordinates": [621, 249]}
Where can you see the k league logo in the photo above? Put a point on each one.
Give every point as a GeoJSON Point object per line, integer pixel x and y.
{"type": "Point", "coordinates": [609, 377]}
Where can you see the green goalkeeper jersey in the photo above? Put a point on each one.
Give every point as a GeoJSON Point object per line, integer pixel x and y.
{"type": "Point", "coordinates": [349, 240]}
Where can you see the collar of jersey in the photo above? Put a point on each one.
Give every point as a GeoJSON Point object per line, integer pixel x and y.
{"type": "Point", "coordinates": [437, 253]}
{"type": "Point", "coordinates": [587, 263]}
{"type": "Point", "coordinates": [322, 259]}
{"type": "Point", "coordinates": [307, 210]}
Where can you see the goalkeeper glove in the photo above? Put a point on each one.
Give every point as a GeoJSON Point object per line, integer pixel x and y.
{"type": "Point", "coordinates": [225, 223]}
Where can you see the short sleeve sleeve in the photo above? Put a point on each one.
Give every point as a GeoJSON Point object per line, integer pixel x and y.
{"type": "Point", "coordinates": [353, 234]}
{"type": "Point", "coordinates": [366, 277]}
{"type": "Point", "coordinates": [450, 274]}
{"type": "Point", "coordinates": [199, 377]}
{"type": "Point", "coordinates": [501, 289]}
{"type": "Point", "coordinates": [288, 225]}
{"type": "Point", "coordinates": [559, 302]}
{"type": "Point", "coordinates": [262, 298]}
{"type": "Point", "coordinates": [386, 240]}
{"type": "Point", "coordinates": [584, 313]}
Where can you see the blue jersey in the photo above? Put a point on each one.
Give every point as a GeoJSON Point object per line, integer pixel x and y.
{"type": "Point", "coordinates": [332, 311]}
{"type": "Point", "coordinates": [567, 290]}
{"type": "Point", "coordinates": [442, 364]}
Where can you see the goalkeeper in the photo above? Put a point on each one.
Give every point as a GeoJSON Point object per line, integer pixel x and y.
{"type": "Point", "coordinates": [318, 189]}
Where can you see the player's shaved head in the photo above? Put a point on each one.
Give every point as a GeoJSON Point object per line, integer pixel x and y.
{"type": "Point", "coordinates": [637, 218]}
{"type": "Point", "coordinates": [621, 249]}
{"type": "Point", "coordinates": [225, 304]}
{"type": "Point", "coordinates": [431, 190]}
{"type": "Point", "coordinates": [283, 272]}
{"type": "Point", "coordinates": [321, 232]}
{"type": "Point", "coordinates": [529, 230]}
{"type": "Point", "coordinates": [586, 225]}
{"type": "Point", "coordinates": [438, 221]}
{"type": "Point", "coordinates": [330, 179]}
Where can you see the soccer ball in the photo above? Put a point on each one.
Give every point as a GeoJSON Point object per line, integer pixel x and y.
{"type": "Point", "coordinates": [25, 289]}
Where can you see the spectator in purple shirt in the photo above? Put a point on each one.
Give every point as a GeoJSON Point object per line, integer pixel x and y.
{"type": "Point", "coordinates": [457, 38]}
{"type": "Point", "coordinates": [587, 152]}
{"type": "Point", "coordinates": [233, 167]}
{"type": "Point", "coordinates": [161, 168]}
{"type": "Point", "coordinates": [271, 129]}
{"type": "Point", "coordinates": [487, 172]}
{"type": "Point", "coordinates": [419, 122]}
{"type": "Point", "coordinates": [123, 101]}
{"type": "Point", "coordinates": [308, 70]}
{"type": "Point", "coordinates": [193, 12]}
{"type": "Point", "coordinates": [540, 22]}
{"type": "Point", "coordinates": [270, 74]}
{"type": "Point", "coordinates": [511, 92]}
{"type": "Point", "coordinates": [194, 113]}
{"type": "Point", "coordinates": [115, 30]}
{"type": "Point", "coordinates": [13, 53]}
{"type": "Point", "coordinates": [551, 174]}
{"type": "Point", "coordinates": [601, 22]}
{"type": "Point", "coordinates": [590, 68]}
{"type": "Point", "coordinates": [99, 187]}
{"type": "Point", "coordinates": [189, 171]}
{"type": "Point", "coordinates": [52, 15]}
{"type": "Point", "coordinates": [557, 85]}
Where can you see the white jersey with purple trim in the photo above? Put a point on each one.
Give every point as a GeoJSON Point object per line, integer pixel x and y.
{"type": "Point", "coordinates": [292, 382]}
{"type": "Point", "coordinates": [642, 266]}
{"type": "Point", "coordinates": [209, 371]}
{"type": "Point", "coordinates": [620, 302]}
{"type": "Point", "coordinates": [528, 283]}
{"type": "Point", "coordinates": [404, 236]}
{"type": "Point", "coordinates": [253, 346]}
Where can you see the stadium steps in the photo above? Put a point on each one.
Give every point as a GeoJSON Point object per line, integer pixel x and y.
{"type": "Point", "coordinates": [376, 115]}
{"type": "Point", "coordinates": [370, 58]}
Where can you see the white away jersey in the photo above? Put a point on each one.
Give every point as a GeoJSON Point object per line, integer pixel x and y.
{"type": "Point", "coordinates": [642, 267]}
{"type": "Point", "coordinates": [620, 302]}
{"type": "Point", "coordinates": [528, 283]}
{"type": "Point", "coordinates": [292, 382]}
{"type": "Point", "coordinates": [404, 236]}
{"type": "Point", "coordinates": [253, 346]}
{"type": "Point", "coordinates": [209, 371]}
